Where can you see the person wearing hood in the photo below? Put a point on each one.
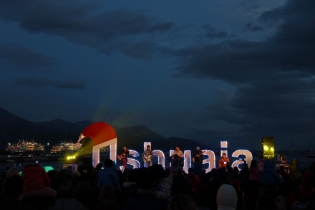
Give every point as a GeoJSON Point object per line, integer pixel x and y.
{"type": "Point", "coordinates": [269, 176]}
{"type": "Point", "coordinates": [226, 197]}
{"type": "Point", "coordinates": [36, 182]}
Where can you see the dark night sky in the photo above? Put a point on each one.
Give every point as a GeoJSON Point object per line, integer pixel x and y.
{"type": "Point", "coordinates": [231, 70]}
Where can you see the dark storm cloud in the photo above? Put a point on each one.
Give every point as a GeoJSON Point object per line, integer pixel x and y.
{"type": "Point", "coordinates": [278, 99]}
{"type": "Point", "coordinates": [213, 33]}
{"type": "Point", "coordinates": [39, 82]}
{"type": "Point", "coordinates": [35, 82]}
{"type": "Point", "coordinates": [251, 27]}
{"type": "Point", "coordinates": [17, 57]}
{"type": "Point", "coordinates": [283, 108]}
{"type": "Point", "coordinates": [291, 48]}
{"type": "Point", "coordinates": [76, 84]}
{"type": "Point", "coordinates": [161, 27]}
{"type": "Point", "coordinates": [84, 23]}
{"type": "Point", "coordinates": [279, 107]}
{"type": "Point", "coordinates": [274, 78]}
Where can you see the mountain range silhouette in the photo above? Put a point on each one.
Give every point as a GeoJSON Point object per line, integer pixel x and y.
{"type": "Point", "coordinates": [14, 128]}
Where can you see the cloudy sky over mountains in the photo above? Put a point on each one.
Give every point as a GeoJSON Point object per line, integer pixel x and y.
{"type": "Point", "coordinates": [231, 70]}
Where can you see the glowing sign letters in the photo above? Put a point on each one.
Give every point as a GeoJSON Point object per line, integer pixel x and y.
{"type": "Point", "coordinates": [209, 156]}
{"type": "Point", "coordinates": [248, 157]}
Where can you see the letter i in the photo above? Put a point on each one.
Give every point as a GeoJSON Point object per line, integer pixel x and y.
{"type": "Point", "coordinates": [224, 146]}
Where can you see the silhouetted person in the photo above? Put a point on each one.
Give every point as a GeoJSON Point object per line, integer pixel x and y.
{"type": "Point", "coordinates": [66, 198]}
{"type": "Point", "coordinates": [175, 163]}
{"type": "Point", "coordinates": [13, 190]}
{"type": "Point", "coordinates": [84, 195]}
{"type": "Point", "coordinates": [107, 176]}
{"type": "Point", "coordinates": [182, 202]}
{"type": "Point", "coordinates": [266, 202]}
{"type": "Point", "coordinates": [198, 155]}
{"type": "Point", "coordinates": [145, 200]}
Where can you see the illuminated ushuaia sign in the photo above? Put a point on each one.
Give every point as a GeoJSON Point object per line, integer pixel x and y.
{"type": "Point", "coordinates": [210, 159]}
{"type": "Point", "coordinates": [103, 135]}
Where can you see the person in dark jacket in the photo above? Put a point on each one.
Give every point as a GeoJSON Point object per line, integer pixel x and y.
{"type": "Point", "coordinates": [194, 181]}
{"type": "Point", "coordinates": [175, 163]}
{"type": "Point", "coordinates": [83, 194]}
{"type": "Point", "coordinates": [182, 201]}
{"type": "Point", "coordinates": [145, 200]}
{"type": "Point", "coordinates": [304, 192]}
{"type": "Point", "coordinates": [198, 155]}
{"type": "Point", "coordinates": [66, 198]}
{"type": "Point", "coordinates": [266, 202]}
{"type": "Point", "coordinates": [13, 190]}
{"type": "Point", "coordinates": [269, 176]}
{"type": "Point", "coordinates": [107, 176]}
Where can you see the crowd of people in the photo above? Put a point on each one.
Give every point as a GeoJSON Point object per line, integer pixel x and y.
{"type": "Point", "coordinates": [258, 186]}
